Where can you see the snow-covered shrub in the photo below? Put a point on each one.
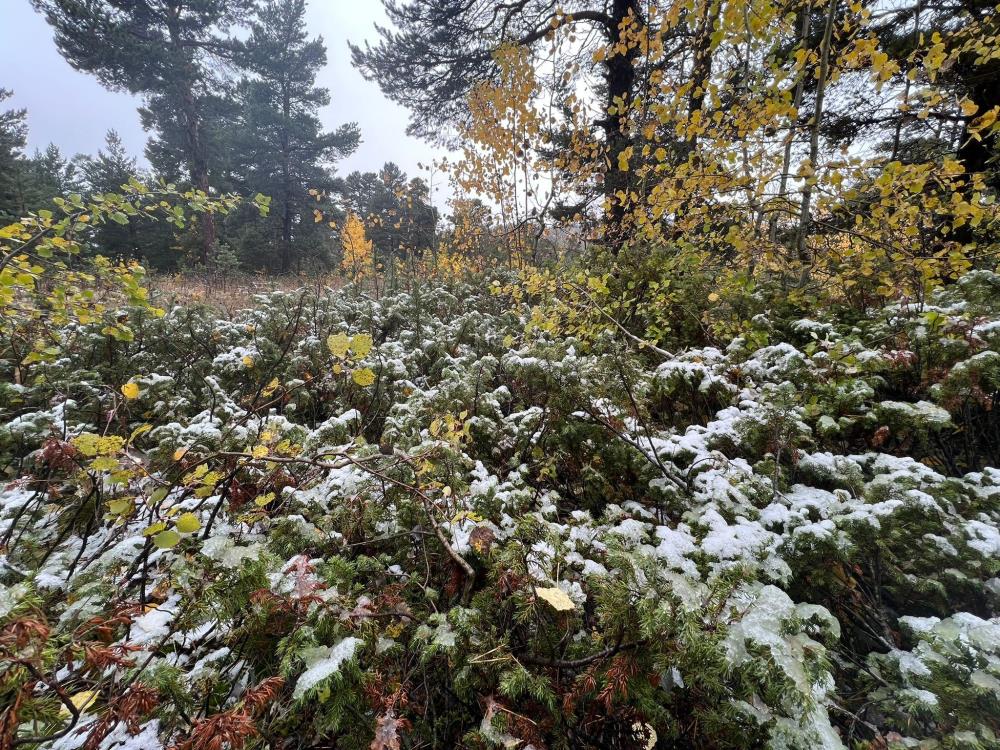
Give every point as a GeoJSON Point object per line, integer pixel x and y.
{"type": "Point", "coordinates": [432, 518]}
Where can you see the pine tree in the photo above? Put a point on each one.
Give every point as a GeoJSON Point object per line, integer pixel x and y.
{"type": "Point", "coordinates": [282, 150]}
{"type": "Point", "coordinates": [396, 210]}
{"type": "Point", "coordinates": [167, 50]}
{"type": "Point", "coordinates": [50, 175]}
{"type": "Point", "coordinates": [13, 138]}
{"type": "Point", "coordinates": [107, 173]}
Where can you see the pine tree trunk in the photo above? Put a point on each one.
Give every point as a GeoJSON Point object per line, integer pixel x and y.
{"type": "Point", "coordinates": [197, 159]}
{"type": "Point", "coordinates": [973, 153]}
{"type": "Point", "coordinates": [286, 219]}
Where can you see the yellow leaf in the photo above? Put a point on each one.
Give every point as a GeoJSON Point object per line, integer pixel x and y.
{"type": "Point", "coordinates": [130, 390]}
{"type": "Point", "coordinates": [248, 362]}
{"type": "Point", "coordinates": [260, 451]}
{"type": "Point", "coordinates": [338, 344]}
{"type": "Point", "coordinates": [969, 107]}
{"type": "Point", "coordinates": [179, 453]}
{"type": "Point", "coordinates": [188, 523]}
{"type": "Point", "coordinates": [556, 598]}
{"type": "Point", "coordinates": [81, 701]}
{"type": "Point", "coordinates": [361, 344]}
{"type": "Point", "coordinates": [271, 387]}
{"type": "Point", "coordinates": [364, 377]}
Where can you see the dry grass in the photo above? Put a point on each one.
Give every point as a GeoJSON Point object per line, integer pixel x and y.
{"type": "Point", "coordinates": [231, 292]}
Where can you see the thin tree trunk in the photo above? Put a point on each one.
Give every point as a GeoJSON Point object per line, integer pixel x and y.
{"type": "Point", "coordinates": [786, 160]}
{"type": "Point", "coordinates": [197, 160]}
{"type": "Point", "coordinates": [701, 68]}
{"type": "Point", "coordinates": [906, 88]}
{"type": "Point", "coordinates": [805, 215]}
{"type": "Point", "coordinates": [620, 77]}
{"type": "Point", "coordinates": [286, 219]}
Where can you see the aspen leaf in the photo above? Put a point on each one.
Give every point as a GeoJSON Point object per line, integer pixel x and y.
{"type": "Point", "coordinates": [338, 344]}
{"type": "Point", "coordinates": [81, 701]}
{"type": "Point", "coordinates": [167, 539]}
{"type": "Point", "coordinates": [361, 345]}
{"type": "Point", "coordinates": [130, 391]}
{"type": "Point", "coordinates": [556, 598]}
{"type": "Point", "coordinates": [266, 499]}
{"type": "Point", "coordinates": [260, 451]}
{"type": "Point", "coordinates": [118, 507]}
{"type": "Point", "coordinates": [188, 523]}
{"type": "Point", "coordinates": [248, 362]}
{"type": "Point", "coordinates": [364, 377]}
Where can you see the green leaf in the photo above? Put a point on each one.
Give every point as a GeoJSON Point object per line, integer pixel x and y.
{"type": "Point", "coordinates": [167, 539]}
{"type": "Point", "coordinates": [119, 507]}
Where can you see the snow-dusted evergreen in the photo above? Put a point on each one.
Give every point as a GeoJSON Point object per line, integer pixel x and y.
{"type": "Point", "coordinates": [790, 539]}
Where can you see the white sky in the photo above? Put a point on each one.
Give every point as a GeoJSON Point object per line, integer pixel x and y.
{"type": "Point", "coordinates": [74, 111]}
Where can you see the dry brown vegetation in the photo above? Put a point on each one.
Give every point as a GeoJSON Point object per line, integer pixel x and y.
{"type": "Point", "coordinates": [228, 293]}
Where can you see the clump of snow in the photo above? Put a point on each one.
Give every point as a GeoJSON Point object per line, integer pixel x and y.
{"type": "Point", "coordinates": [322, 662]}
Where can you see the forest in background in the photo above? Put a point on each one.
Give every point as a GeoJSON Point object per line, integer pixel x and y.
{"type": "Point", "coordinates": [677, 429]}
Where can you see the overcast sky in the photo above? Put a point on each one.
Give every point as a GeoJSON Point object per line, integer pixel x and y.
{"type": "Point", "coordinates": [72, 110]}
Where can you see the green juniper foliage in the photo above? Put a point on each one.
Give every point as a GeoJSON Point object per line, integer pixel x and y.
{"type": "Point", "coordinates": [225, 528]}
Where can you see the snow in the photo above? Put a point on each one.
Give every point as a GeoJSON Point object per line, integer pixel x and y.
{"type": "Point", "coordinates": [322, 662]}
{"type": "Point", "coordinates": [154, 625]}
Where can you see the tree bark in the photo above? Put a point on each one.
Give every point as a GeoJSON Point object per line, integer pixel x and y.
{"type": "Point", "coordinates": [620, 78]}
{"type": "Point", "coordinates": [786, 159]}
{"type": "Point", "coordinates": [286, 186]}
{"type": "Point", "coordinates": [196, 157]}
{"type": "Point", "coordinates": [805, 214]}
{"type": "Point", "coordinates": [975, 154]}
